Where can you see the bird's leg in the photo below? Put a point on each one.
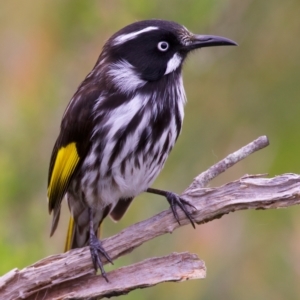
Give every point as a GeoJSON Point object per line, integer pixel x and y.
{"type": "Point", "coordinates": [174, 201]}
{"type": "Point", "coordinates": [96, 248]}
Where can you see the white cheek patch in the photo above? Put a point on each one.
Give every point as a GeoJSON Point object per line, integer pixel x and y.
{"type": "Point", "coordinates": [125, 77]}
{"type": "Point", "coordinates": [173, 63]}
{"type": "Point", "coordinates": [129, 36]}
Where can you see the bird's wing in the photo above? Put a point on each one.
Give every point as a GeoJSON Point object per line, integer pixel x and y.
{"type": "Point", "coordinates": [70, 149]}
{"type": "Point", "coordinates": [120, 209]}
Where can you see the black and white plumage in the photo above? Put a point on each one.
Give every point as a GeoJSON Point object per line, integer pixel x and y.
{"type": "Point", "coordinates": [120, 127]}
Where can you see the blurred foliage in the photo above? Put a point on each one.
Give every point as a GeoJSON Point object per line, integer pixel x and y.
{"type": "Point", "coordinates": [234, 95]}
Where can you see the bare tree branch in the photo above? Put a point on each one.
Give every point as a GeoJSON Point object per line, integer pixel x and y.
{"type": "Point", "coordinates": [249, 192]}
{"type": "Point", "coordinates": [205, 177]}
{"type": "Point", "coordinates": [174, 267]}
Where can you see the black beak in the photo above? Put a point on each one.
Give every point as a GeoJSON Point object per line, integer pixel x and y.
{"type": "Point", "coordinates": [201, 41]}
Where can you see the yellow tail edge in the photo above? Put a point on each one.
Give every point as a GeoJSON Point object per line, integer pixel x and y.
{"type": "Point", "coordinates": [70, 234]}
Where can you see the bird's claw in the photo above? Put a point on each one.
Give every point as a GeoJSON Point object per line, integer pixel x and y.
{"type": "Point", "coordinates": [174, 201]}
{"type": "Point", "coordinates": [96, 249]}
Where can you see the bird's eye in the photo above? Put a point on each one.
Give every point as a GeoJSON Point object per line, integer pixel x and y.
{"type": "Point", "coordinates": [163, 46]}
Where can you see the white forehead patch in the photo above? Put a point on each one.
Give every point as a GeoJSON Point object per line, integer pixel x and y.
{"type": "Point", "coordinates": [129, 36]}
{"type": "Point", "coordinates": [173, 63]}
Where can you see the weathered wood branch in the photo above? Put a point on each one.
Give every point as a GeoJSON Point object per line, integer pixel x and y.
{"type": "Point", "coordinates": [205, 177]}
{"type": "Point", "coordinates": [174, 267]}
{"type": "Point", "coordinates": [57, 272]}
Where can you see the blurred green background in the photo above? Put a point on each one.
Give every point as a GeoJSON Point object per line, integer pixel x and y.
{"type": "Point", "coordinates": [235, 94]}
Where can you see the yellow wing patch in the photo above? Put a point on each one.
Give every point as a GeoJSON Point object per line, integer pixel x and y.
{"type": "Point", "coordinates": [65, 163]}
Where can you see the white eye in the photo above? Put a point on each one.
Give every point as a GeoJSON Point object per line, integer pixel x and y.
{"type": "Point", "coordinates": [163, 46]}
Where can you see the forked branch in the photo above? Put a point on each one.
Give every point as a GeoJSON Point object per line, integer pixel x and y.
{"type": "Point", "coordinates": [70, 275]}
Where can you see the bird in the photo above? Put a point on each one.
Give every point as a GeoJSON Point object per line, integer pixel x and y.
{"type": "Point", "coordinates": [119, 128]}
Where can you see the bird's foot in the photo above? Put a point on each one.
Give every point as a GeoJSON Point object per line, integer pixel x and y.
{"type": "Point", "coordinates": [174, 201]}
{"type": "Point", "coordinates": [96, 249]}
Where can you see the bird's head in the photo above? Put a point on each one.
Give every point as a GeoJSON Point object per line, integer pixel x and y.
{"type": "Point", "coordinates": [146, 51]}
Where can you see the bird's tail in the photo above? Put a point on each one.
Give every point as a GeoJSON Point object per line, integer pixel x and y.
{"type": "Point", "coordinates": [78, 234]}
{"type": "Point", "coordinates": [70, 235]}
